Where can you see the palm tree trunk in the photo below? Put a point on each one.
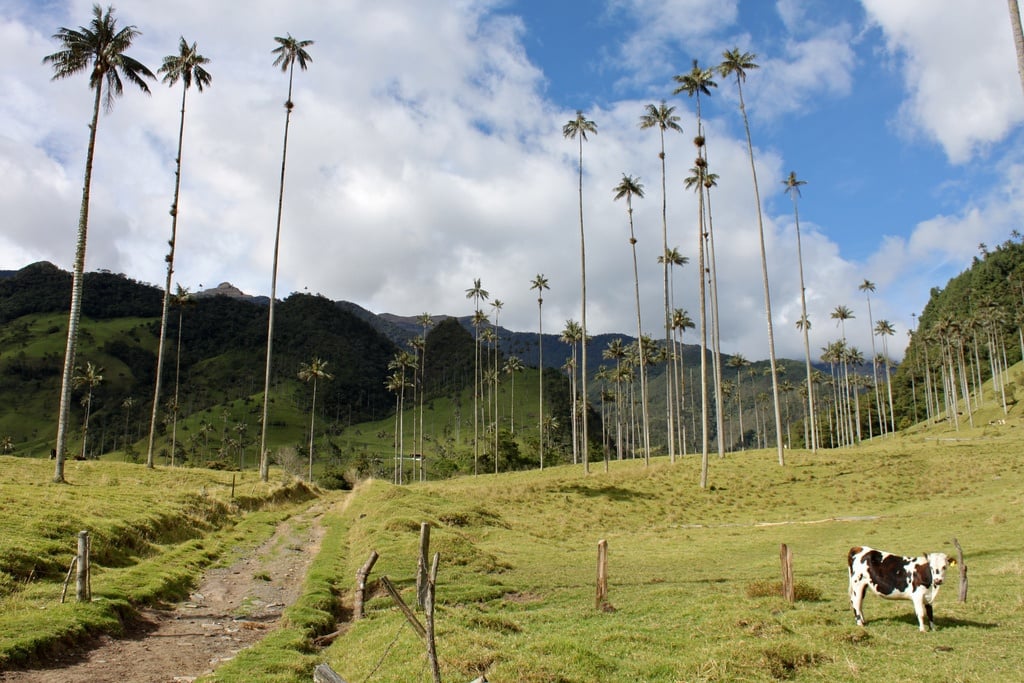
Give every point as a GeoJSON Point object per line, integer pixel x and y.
{"type": "Point", "coordinates": [670, 431]}
{"type": "Point", "coordinates": [75, 314]}
{"type": "Point", "coordinates": [540, 380]}
{"type": "Point", "coordinates": [767, 291]}
{"type": "Point", "coordinates": [177, 377]}
{"type": "Point", "coordinates": [264, 455]}
{"type": "Point", "coordinates": [312, 419]}
{"type": "Point", "coordinates": [1018, 37]}
{"type": "Point", "coordinates": [167, 289]}
{"type": "Point", "coordinates": [715, 329]}
{"type": "Point", "coordinates": [583, 323]}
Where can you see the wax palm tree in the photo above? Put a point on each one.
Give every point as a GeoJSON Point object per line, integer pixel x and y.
{"type": "Point", "coordinates": [513, 364]}
{"type": "Point", "coordinates": [695, 83]}
{"type": "Point", "coordinates": [126, 405]}
{"type": "Point", "coordinates": [737, 64]}
{"type": "Point", "coordinates": [673, 258]}
{"type": "Point", "coordinates": [629, 187]}
{"type": "Point", "coordinates": [496, 305]}
{"type": "Point", "coordinates": [1018, 37]}
{"type": "Point", "coordinates": [885, 329]}
{"type": "Point", "coordinates": [316, 370]}
{"type": "Point", "coordinates": [868, 287]}
{"type": "Point", "coordinates": [181, 300]}
{"type": "Point", "coordinates": [793, 189]}
{"type": "Point", "coordinates": [577, 129]}
{"type": "Point", "coordinates": [186, 66]}
{"type": "Point", "coordinates": [739, 362]}
{"type": "Point", "coordinates": [90, 377]}
{"type": "Point", "coordinates": [841, 314]}
{"type": "Point", "coordinates": [98, 48]}
{"type": "Point", "coordinates": [663, 118]}
{"type": "Point", "coordinates": [540, 283]}
{"type": "Point", "coordinates": [426, 321]}
{"type": "Point", "coordinates": [290, 52]}
{"type": "Point", "coordinates": [477, 293]}
{"type": "Point", "coordinates": [572, 334]}
{"type": "Point", "coordinates": [681, 321]}
{"type": "Point", "coordinates": [616, 351]}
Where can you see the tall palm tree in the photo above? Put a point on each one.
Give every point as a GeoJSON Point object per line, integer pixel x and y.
{"type": "Point", "coordinates": [738, 63]}
{"type": "Point", "coordinates": [98, 48]}
{"type": "Point", "coordinates": [571, 335]}
{"type": "Point", "coordinates": [868, 287]}
{"type": "Point", "coordinates": [681, 321]}
{"type": "Point", "coordinates": [885, 329]}
{"type": "Point", "coordinates": [841, 314]}
{"type": "Point", "coordinates": [1018, 37]}
{"type": "Point", "coordinates": [186, 66]}
{"type": "Point", "coordinates": [513, 364]}
{"type": "Point", "coordinates": [497, 305]}
{"type": "Point", "coordinates": [540, 283]}
{"type": "Point", "coordinates": [616, 351]}
{"type": "Point", "coordinates": [577, 129]}
{"type": "Point", "coordinates": [477, 293]}
{"type": "Point", "coordinates": [91, 376]}
{"type": "Point", "coordinates": [793, 189]}
{"type": "Point", "coordinates": [673, 258]}
{"type": "Point", "coordinates": [739, 362]}
{"type": "Point", "coordinates": [315, 370]}
{"type": "Point", "coordinates": [182, 300]}
{"type": "Point", "coordinates": [696, 82]}
{"type": "Point", "coordinates": [289, 52]}
{"type": "Point", "coordinates": [630, 187]}
{"type": "Point", "coordinates": [426, 321]}
{"type": "Point", "coordinates": [663, 118]}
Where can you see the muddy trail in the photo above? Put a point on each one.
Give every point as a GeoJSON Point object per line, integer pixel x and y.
{"type": "Point", "coordinates": [231, 609]}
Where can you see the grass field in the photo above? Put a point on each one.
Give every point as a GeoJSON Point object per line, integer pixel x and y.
{"type": "Point", "coordinates": [693, 573]}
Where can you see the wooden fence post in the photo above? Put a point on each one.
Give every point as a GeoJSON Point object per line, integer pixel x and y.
{"type": "Point", "coordinates": [786, 556]}
{"type": "Point", "coordinates": [410, 616]}
{"type": "Point", "coordinates": [963, 570]}
{"type": "Point", "coordinates": [361, 576]}
{"type": "Point", "coordinates": [428, 604]}
{"type": "Point", "coordinates": [602, 574]}
{"type": "Point", "coordinates": [83, 582]}
{"type": "Point", "coordinates": [421, 565]}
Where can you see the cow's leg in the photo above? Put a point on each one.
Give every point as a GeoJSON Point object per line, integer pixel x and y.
{"type": "Point", "coordinates": [931, 615]}
{"type": "Point", "coordinates": [919, 608]}
{"type": "Point", "coordinates": [857, 590]}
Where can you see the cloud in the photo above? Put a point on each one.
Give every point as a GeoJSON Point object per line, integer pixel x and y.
{"type": "Point", "coordinates": [959, 68]}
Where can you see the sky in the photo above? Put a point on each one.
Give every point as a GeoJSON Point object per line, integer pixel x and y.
{"type": "Point", "coordinates": [425, 151]}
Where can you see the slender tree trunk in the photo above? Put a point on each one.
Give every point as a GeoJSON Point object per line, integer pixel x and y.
{"type": "Point", "coordinates": [264, 455]}
{"type": "Point", "coordinates": [640, 345]}
{"type": "Point", "coordinates": [716, 345]}
{"type": "Point", "coordinates": [583, 323]}
{"type": "Point", "coordinates": [1018, 37]}
{"type": "Point", "coordinates": [669, 393]}
{"type": "Point", "coordinates": [767, 291]}
{"type": "Point", "coordinates": [177, 378]}
{"type": "Point", "coordinates": [167, 288]}
{"type": "Point", "coordinates": [540, 375]}
{"type": "Point", "coordinates": [75, 314]}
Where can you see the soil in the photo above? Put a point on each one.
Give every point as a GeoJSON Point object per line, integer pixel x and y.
{"type": "Point", "coordinates": [232, 608]}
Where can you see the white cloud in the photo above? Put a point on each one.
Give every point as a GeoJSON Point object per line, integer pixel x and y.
{"type": "Point", "coordinates": [959, 68]}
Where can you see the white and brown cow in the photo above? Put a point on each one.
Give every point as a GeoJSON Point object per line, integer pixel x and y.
{"type": "Point", "coordinates": [897, 578]}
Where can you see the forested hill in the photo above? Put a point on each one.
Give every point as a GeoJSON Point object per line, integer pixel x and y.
{"type": "Point", "coordinates": [976, 317]}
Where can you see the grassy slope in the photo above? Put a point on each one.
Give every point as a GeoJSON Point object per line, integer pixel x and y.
{"type": "Point", "coordinates": [153, 532]}
{"type": "Point", "coordinates": [516, 583]}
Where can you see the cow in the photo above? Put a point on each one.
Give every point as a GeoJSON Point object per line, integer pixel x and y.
{"type": "Point", "coordinates": [897, 578]}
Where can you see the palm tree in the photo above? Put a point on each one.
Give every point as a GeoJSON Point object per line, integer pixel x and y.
{"type": "Point", "coordinates": [738, 63]}
{"type": "Point", "coordinates": [695, 83]}
{"type": "Point", "coordinates": [513, 364]}
{"type": "Point", "coordinates": [426, 321]}
{"type": "Point", "coordinates": [477, 293]}
{"type": "Point", "coordinates": [1018, 37]}
{"type": "Point", "coordinates": [681, 321]}
{"type": "Point", "coordinates": [497, 305]}
{"type": "Point", "coordinates": [578, 128]}
{"type": "Point", "coordinates": [91, 376]}
{"type": "Point", "coordinates": [540, 283]}
{"type": "Point", "coordinates": [793, 189]}
{"type": "Point", "coordinates": [316, 370]}
{"type": "Point", "coordinates": [842, 314]}
{"type": "Point", "coordinates": [885, 329]}
{"type": "Point", "coordinates": [673, 258]}
{"type": "Point", "coordinates": [186, 66]}
{"type": "Point", "coordinates": [868, 287]}
{"type": "Point", "coordinates": [127, 404]}
{"type": "Point", "coordinates": [739, 362]}
{"type": "Point", "coordinates": [629, 187]}
{"type": "Point", "coordinates": [664, 118]}
{"type": "Point", "coordinates": [289, 51]}
{"type": "Point", "coordinates": [182, 300]}
{"type": "Point", "coordinates": [99, 49]}
{"type": "Point", "coordinates": [571, 335]}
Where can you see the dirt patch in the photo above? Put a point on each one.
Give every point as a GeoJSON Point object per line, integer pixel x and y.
{"type": "Point", "coordinates": [232, 608]}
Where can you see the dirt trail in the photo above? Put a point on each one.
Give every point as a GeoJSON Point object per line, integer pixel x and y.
{"type": "Point", "coordinates": [232, 608]}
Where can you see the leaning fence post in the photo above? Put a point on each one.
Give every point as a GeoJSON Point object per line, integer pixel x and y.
{"type": "Point", "coordinates": [361, 575]}
{"type": "Point", "coordinates": [83, 589]}
{"type": "Point", "coordinates": [786, 556]}
{"type": "Point", "coordinates": [602, 574]}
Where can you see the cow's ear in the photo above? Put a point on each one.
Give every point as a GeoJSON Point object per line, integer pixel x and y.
{"type": "Point", "coordinates": [952, 562]}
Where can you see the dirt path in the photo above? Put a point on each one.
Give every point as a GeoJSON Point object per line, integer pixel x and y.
{"type": "Point", "coordinates": [232, 608]}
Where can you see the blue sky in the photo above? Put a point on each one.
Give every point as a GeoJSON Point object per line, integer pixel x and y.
{"type": "Point", "coordinates": [426, 151]}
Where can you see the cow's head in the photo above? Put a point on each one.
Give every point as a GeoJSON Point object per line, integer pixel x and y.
{"type": "Point", "coordinates": [938, 563]}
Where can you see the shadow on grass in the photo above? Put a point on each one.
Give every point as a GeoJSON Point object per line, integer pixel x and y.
{"type": "Point", "coordinates": [616, 493]}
